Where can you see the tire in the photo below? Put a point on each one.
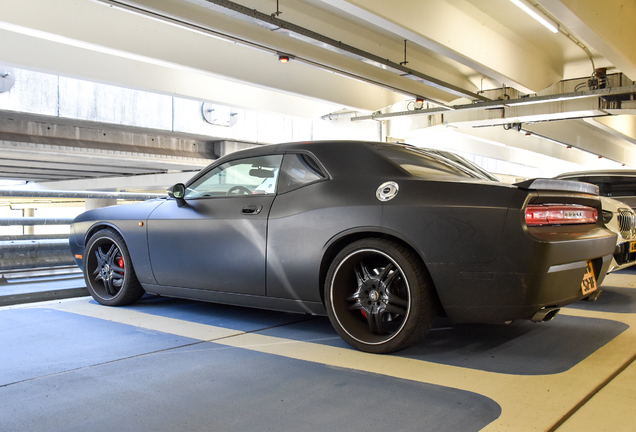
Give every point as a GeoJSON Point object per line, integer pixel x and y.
{"type": "Point", "coordinates": [379, 296]}
{"type": "Point", "coordinates": [108, 270]}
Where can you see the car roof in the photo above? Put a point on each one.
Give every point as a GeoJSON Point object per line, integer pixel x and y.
{"type": "Point", "coordinates": [340, 158]}
{"type": "Point", "coordinates": [311, 146]}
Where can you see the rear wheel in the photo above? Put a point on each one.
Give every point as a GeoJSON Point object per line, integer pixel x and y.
{"type": "Point", "coordinates": [108, 270]}
{"type": "Point", "coordinates": [379, 296]}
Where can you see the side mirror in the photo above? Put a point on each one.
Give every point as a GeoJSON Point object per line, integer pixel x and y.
{"type": "Point", "coordinates": [177, 192]}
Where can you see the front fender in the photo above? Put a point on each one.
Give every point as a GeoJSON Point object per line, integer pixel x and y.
{"type": "Point", "coordinates": [129, 220]}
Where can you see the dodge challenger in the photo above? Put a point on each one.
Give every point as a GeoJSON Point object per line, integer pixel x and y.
{"type": "Point", "coordinates": [382, 238]}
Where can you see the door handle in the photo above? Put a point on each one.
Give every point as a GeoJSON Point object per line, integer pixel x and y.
{"type": "Point", "coordinates": [252, 209]}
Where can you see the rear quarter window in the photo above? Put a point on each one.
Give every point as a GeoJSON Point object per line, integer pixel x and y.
{"type": "Point", "coordinates": [421, 165]}
{"type": "Point", "coordinates": [298, 170]}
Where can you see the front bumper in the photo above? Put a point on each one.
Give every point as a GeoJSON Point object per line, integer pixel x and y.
{"type": "Point", "coordinates": [624, 256]}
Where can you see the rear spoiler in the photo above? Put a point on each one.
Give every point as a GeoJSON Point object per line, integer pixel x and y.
{"type": "Point", "coordinates": [559, 185]}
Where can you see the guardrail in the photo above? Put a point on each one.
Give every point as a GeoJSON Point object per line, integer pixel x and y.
{"type": "Point", "coordinates": [35, 251]}
{"type": "Point", "coordinates": [29, 254]}
{"type": "Point", "coordinates": [33, 221]}
{"type": "Point", "coordinates": [78, 194]}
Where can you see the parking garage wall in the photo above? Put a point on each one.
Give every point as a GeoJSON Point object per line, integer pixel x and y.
{"type": "Point", "coordinates": [70, 98]}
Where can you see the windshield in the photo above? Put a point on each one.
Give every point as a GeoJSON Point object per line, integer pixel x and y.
{"type": "Point", "coordinates": [610, 185]}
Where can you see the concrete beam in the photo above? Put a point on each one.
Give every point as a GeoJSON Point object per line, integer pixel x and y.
{"type": "Point", "coordinates": [606, 26]}
{"type": "Point", "coordinates": [114, 46]}
{"type": "Point", "coordinates": [458, 31]}
{"type": "Point", "coordinates": [42, 162]}
{"type": "Point", "coordinates": [621, 126]}
{"type": "Point", "coordinates": [584, 136]}
{"type": "Point", "coordinates": [86, 135]}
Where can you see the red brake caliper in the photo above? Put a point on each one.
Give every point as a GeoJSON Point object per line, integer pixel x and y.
{"type": "Point", "coordinates": [120, 263]}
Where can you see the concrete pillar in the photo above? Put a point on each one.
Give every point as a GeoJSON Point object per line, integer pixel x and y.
{"type": "Point", "coordinates": [28, 212]}
{"type": "Point", "coordinates": [94, 203]}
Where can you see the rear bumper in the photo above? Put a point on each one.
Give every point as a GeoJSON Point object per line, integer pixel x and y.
{"type": "Point", "coordinates": [544, 268]}
{"type": "Point", "coordinates": [515, 296]}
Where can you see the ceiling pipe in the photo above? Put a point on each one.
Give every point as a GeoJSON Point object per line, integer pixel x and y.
{"type": "Point", "coordinates": [348, 114]}
{"type": "Point", "coordinates": [508, 103]}
{"type": "Point", "coordinates": [272, 22]}
{"type": "Point", "coordinates": [31, 193]}
{"type": "Point", "coordinates": [276, 24]}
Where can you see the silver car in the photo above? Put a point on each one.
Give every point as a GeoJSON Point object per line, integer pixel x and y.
{"type": "Point", "coordinates": [617, 189]}
{"type": "Point", "coordinates": [617, 184]}
{"type": "Point", "coordinates": [620, 218]}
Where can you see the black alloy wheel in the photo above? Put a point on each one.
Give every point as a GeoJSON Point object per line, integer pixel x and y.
{"type": "Point", "coordinates": [379, 297]}
{"type": "Point", "coordinates": [108, 270]}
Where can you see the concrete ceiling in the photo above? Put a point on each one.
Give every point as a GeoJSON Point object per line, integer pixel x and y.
{"type": "Point", "coordinates": [199, 50]}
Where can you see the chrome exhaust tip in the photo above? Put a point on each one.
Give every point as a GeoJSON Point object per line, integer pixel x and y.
{"type": "Point", "coordinates": [594, 296]}
{"type": "Point", "coordinates": [545, 314]}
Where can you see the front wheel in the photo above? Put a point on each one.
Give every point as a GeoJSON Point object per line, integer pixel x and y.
{"type": "Point", "coordinates": [379, 296]}
{"type": "Point", "coordinates": [108, 270]}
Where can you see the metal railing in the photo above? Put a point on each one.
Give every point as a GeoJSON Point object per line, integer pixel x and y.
{"type": "Point", "coordinates": [19, 252]}
{"type": "Point", "coordinates": [33, 221]}
{"type": "Point", "coordinates": [78, 194]}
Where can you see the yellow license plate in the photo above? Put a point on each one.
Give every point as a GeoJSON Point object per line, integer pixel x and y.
{"type": "Point", "coordinates": [632, 247]}
{"type": "Point", "coordinates": [589, 281]}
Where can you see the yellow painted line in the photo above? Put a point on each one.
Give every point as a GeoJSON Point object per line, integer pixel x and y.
{"type": "Point", "coordinates": [147, 321]}
{"type": "Point", "coordinates": [611, 410]}
{"type": "Point", "coordinates": [528, 402]}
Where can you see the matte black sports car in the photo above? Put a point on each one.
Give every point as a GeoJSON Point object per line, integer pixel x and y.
{"type": "Point", "coordinates": [380, 237]}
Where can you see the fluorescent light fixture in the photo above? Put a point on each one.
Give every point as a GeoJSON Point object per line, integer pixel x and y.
{"type": "Point", "coordinates": [51, 37]}
{"type": "Point", "coordinates": [549, 98]}
{"type": "Point", "coordinates": [536, 14]}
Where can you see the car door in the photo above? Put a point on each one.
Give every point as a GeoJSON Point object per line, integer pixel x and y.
{"type": "Point", "coordinates": [215, 239]}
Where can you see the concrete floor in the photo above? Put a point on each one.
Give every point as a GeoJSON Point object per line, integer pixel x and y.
{"type": "Point", "coordinates": [175, 365]}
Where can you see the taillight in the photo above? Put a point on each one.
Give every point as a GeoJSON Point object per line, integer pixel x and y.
{"type": "Point", "coordinates": [560, 214]}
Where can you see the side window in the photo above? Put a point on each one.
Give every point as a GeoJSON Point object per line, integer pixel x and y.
{"type": "Point", "coordinates": [255, 175]}
{"type": "Point", "coordinates": [298, 170]}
